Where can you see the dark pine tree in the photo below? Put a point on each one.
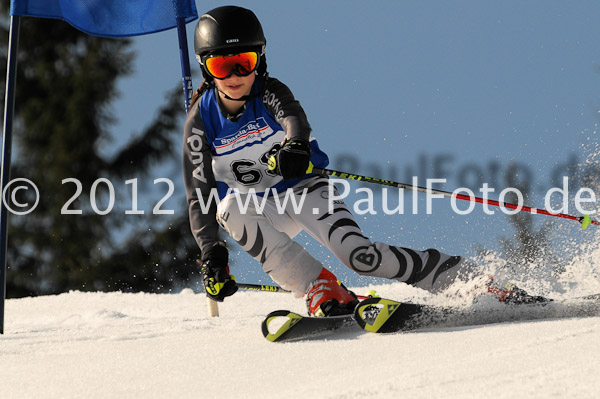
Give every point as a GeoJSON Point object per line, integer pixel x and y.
{"type": "Point", "coordinates": [66, 82]}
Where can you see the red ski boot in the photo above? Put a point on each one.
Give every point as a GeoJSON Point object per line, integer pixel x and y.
{"type": "Point", "coordinates": [326, 296]}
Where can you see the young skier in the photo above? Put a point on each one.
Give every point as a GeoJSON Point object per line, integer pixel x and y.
{"type": "Point", "coordinates": [240, 118]}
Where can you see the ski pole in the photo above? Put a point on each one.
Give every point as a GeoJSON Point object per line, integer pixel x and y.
{"type": "Point", "coordinates": [275, 288]}
{"type": "Point", "coordinates": [584, 220]}
{"type": "Point", "coordinates": [213, 307]}
{"type": "Point", "coordinates": [261, 287]}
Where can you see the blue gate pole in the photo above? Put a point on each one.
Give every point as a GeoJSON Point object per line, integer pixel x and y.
{"type": "Point", "coordinates": [186, 75]}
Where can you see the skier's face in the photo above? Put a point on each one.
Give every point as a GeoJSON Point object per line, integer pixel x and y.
{"type": "Point", "coordinates": [236, 86]}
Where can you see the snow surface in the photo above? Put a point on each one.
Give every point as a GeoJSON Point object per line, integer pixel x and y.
{"type": "Point", "coordinates": [117, 345]}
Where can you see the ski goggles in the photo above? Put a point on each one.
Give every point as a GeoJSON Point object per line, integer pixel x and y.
{"type": "Point", "coordinates": [223, 66]}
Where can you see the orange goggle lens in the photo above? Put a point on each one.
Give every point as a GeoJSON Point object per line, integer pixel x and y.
{"type": "Point", "coordinates": [222, 67]}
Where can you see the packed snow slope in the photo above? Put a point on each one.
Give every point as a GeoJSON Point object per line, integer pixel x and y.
{"type": "Point", "coordinates": [117, 345]}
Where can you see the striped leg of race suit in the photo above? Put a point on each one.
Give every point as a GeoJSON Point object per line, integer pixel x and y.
{"type": "Point", "coordinates": [265, 229]}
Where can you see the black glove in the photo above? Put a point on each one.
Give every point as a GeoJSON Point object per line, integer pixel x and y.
{"type": "Point", "coordinates": [292, 159]}
{"type": "Point", "coordinates": [215, 273]}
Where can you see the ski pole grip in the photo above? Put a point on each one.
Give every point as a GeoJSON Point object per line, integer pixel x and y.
{"type": "Point", "coordinates": [272, 164]}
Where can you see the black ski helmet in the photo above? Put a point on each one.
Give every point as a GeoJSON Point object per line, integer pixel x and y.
{"type": "Point", "coordinates": [227, 30]}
